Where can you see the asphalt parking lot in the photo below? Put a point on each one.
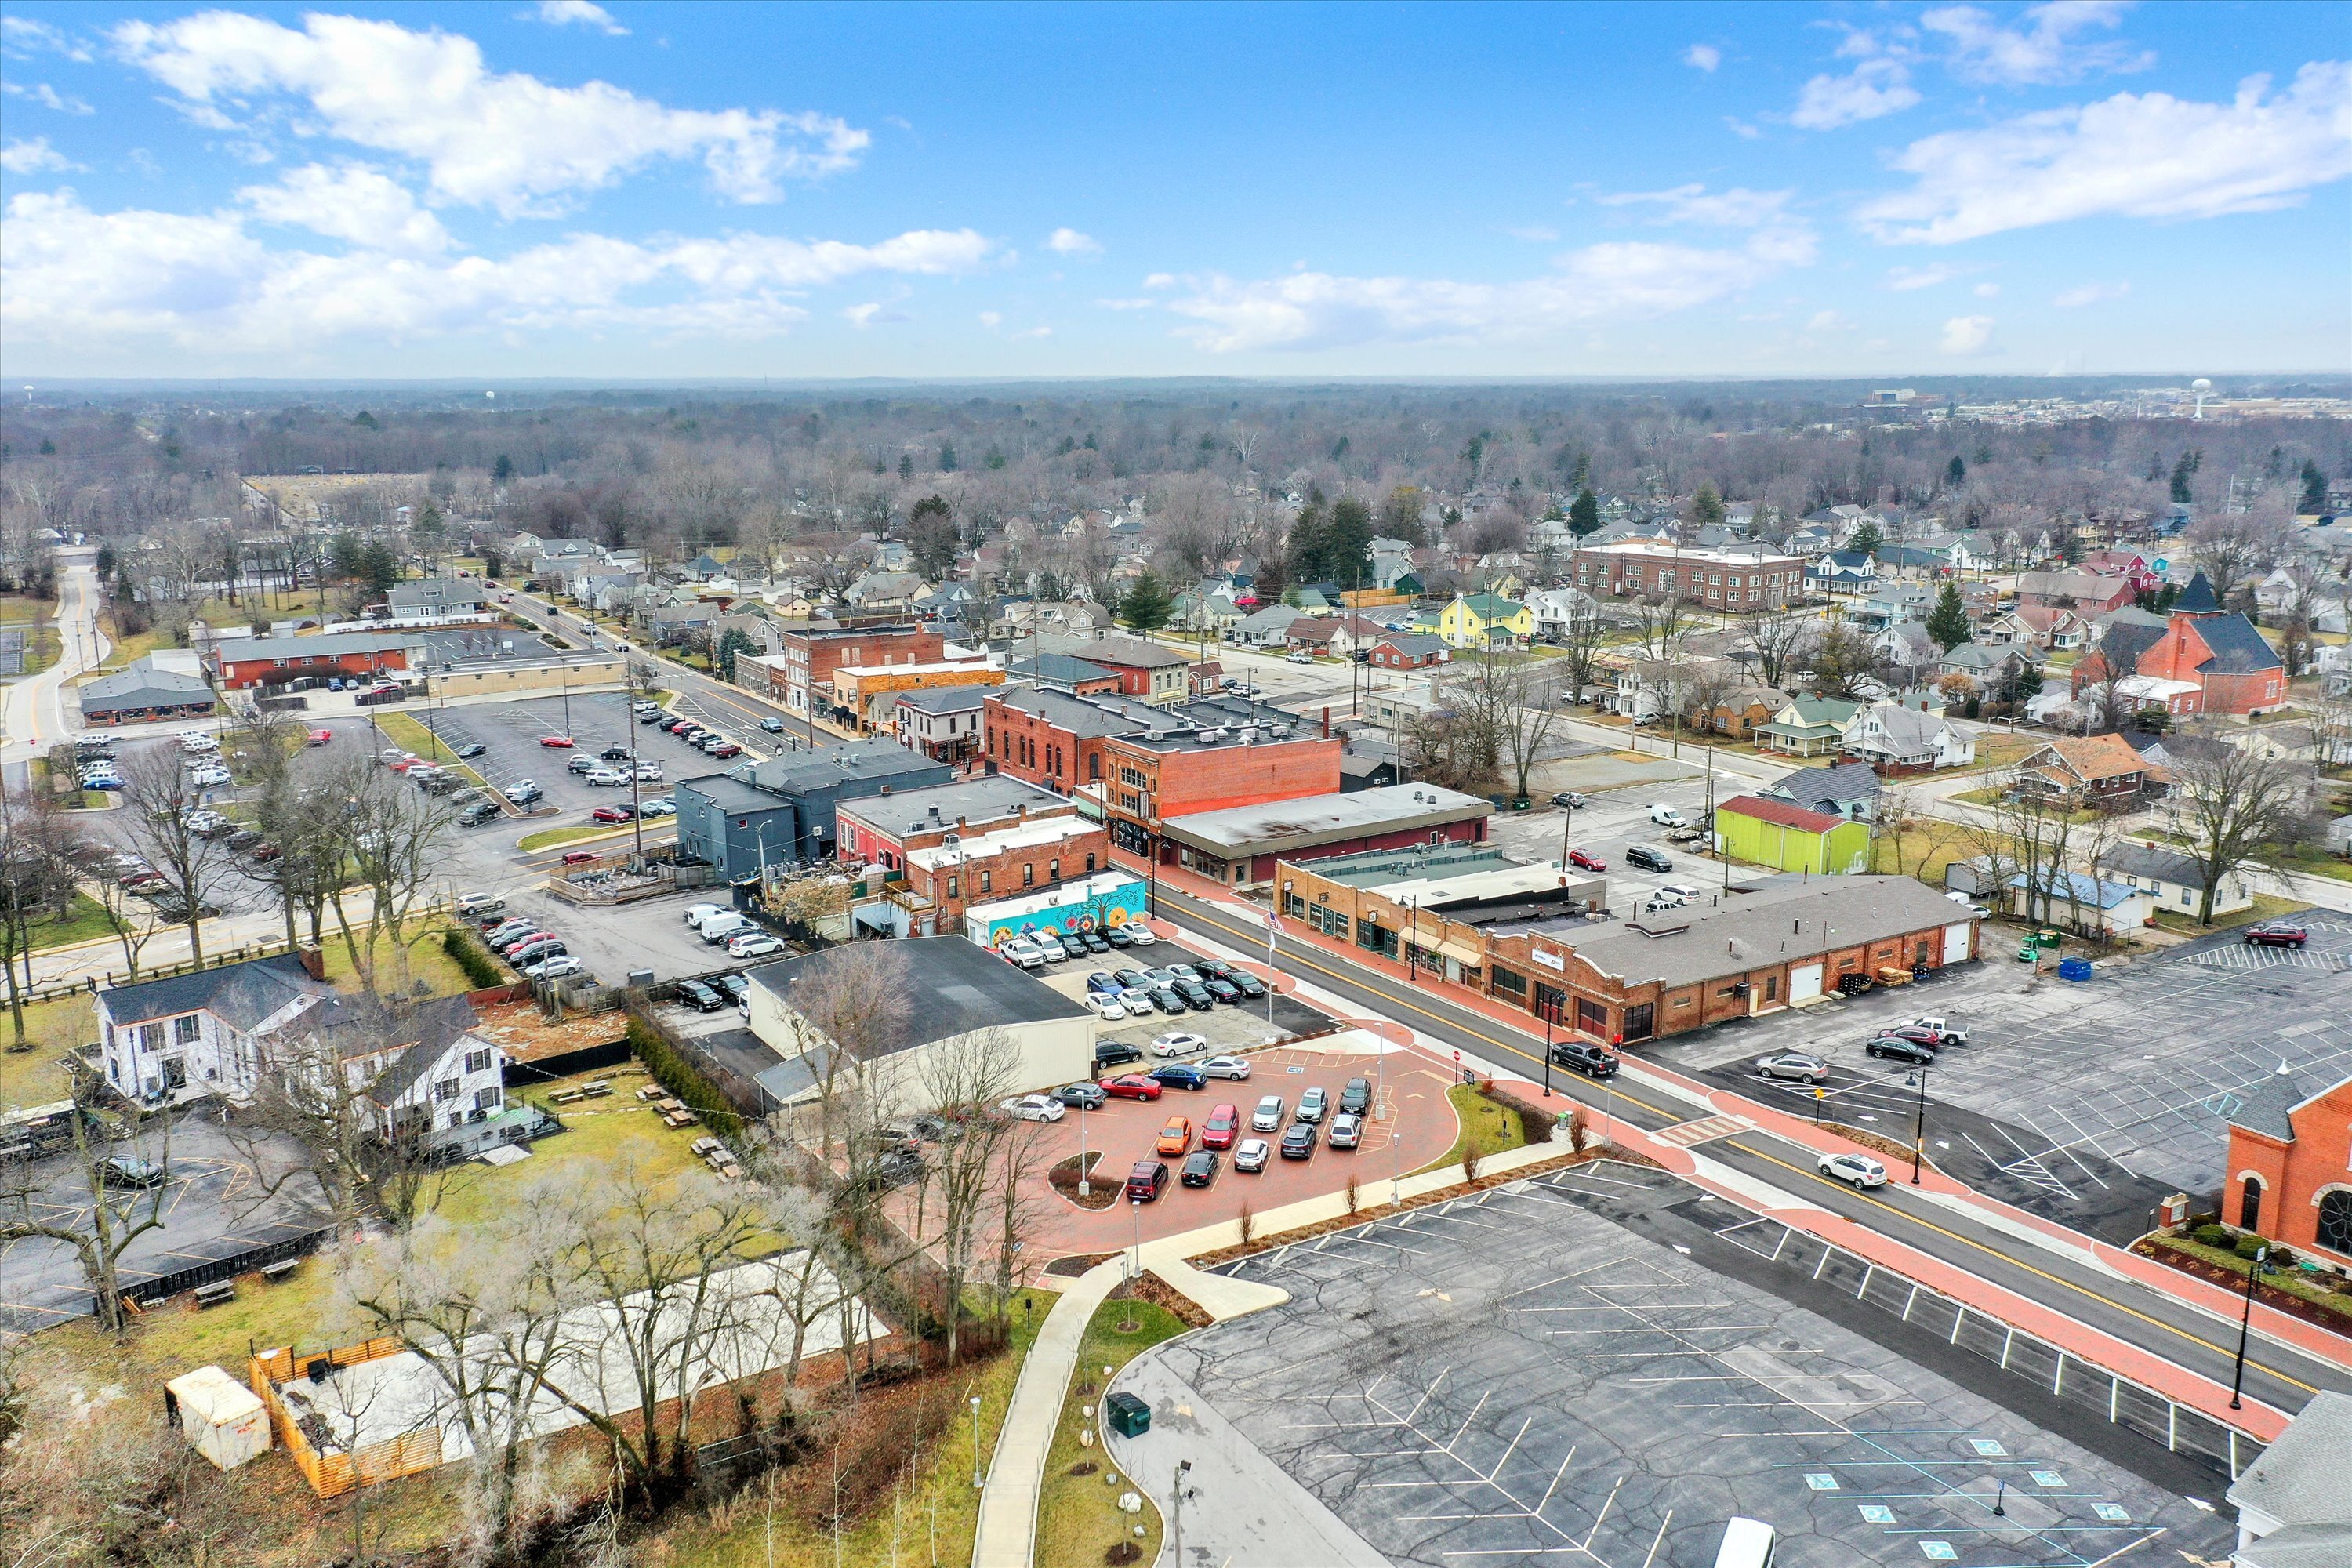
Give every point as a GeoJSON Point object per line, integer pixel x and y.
{"type": "Point", "coordinates": [1556, 1370]}
{"type": "Point", "coordinates": [2091, 1100]}
{"type": "Point", "coordinates": [1245, 1026]}
{"type": "Point", "coordinates": [1614, 820]}
{"type": "Point", "coordinates": [213, 1207]}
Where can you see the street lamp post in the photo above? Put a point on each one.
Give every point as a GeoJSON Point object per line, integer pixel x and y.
{"type": "Point", "coordinates": [2246, 1325]}
{"type": "Point", "coordinates": [976, 1481]}
{"type": "Point", "coordinates": [1918, 1079]}
{"type": "Point", "coordinates": [1086, 1189]}
{"type": "Point", "coordinates": [1547, 1024]}
{"type": "Point", "coordinates": [1183, 1468]}
{"type": "Point", "coordinates": [1135, 1269]}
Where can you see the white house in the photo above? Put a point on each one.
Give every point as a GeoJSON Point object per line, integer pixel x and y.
{"type": "Point", "coordinates": [2177, 881]}
{"type": "Point", "coordinates": [1888, 736]}
{"type": "Point", "coordinates": [1560, 611]}
{"type": "Point", "coordinates": [215, 1032]}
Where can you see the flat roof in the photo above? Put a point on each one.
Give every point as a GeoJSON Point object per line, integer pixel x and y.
{"type": "Point", "coordinates": [938, 666]}
{"type": "Point", "coordinates": [850, 762]}
{"type": "Point", "coordinates": [951, 987]}
{"type": "Point", "coordinates": [1214, 737]}
{"type": "Point", "coordinates": [1038, 831]}
{"type": "Point", "coordinates": [1283, 824]}
{"type": "Point", "coordinates": [732, 794]}
{"type": "Point", "coordinates": [1068, 896]}
{"type": "Point", "coordinates": [244, 651]}
{"type": "Point", "coordinates": [992, 797]}
{"type": "Point", "coordinates": [1414, 863]}
{"type": "Point", "coordinates": [1781, 921]}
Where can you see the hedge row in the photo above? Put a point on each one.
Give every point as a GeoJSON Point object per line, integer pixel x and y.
{"type": "Point", "coordinates": [471, 957]}
{"type": "Point", "coordinates": [682, 1078]}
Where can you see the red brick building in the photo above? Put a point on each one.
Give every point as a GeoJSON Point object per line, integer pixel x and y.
{"type": "Point", "coordinates": [1155, 775]}
{"type": "Point", "coordinates": [1748, 578]}
{"type": "Point", "coordinates": [1055, 737]}
{"type": "Point", "coordinates": [1146, 672]}
{"type": "Point", "coordinates": [239, 663]}
{"type": "Point", "coordinates": [1026, 857]}
{"type": "Point", "coordinates": [883, 829]}
{"type": "Point", "coordinates": [806, 659]}
{"type": "Point", "coordinates": [2290, 1173]}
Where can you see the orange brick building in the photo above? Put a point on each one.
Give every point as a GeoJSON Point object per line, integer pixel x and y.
{"type": "Point", "coordinates": [2289, 1175]}
{"type": "Point", "coordinates": [800, 671]}
{"type": "Point", "coordinates": [1159, 774]}
{"type": "Point", "coordinates": [1028, 856]}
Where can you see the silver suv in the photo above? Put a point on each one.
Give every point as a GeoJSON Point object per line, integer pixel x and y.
{"type": "Point", "coordinates": [1794, 1067]}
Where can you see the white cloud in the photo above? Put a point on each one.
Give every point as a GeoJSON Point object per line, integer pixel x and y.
{"type": "Point", "coordinates": [80, 277]}
{"type": "Point", "coordinates": [1873, 89]}
{"type": "Point", "coordinates": [2138, 155]}
{"type": "Point", "coordinates": [1160, 281]}
{"type": "Point", "coordinates": [48, 97]}
{"type": "Point", "coordinates": [1070, 242]}
{"type": "Point", "coordinates": [2042, 49]}
{"type": "Point", "coordinates": [871, 314]}
{"type": "Point", "coordinates": [2091, 294]}
{"type": "Point", "coordinates": [1734, 209]}
{"type": "Point", "coordinates": [1597, 285]}
{"type": "Point", "coordinates": [1986, 290]}
{"type": "Point", "coordinates": [1903, 279]}
{"type": "Point", "coordinates": [1032, 332]}
{"type": "Point", "coordinates": [1703, 57]}
{"type": "Point", "coordinates": [577, 14]}
{"type": "Point", "coordinates": [35, 157]}
{"type": "Point", "coordinates": [23, 38]}
{"type": "Point", "coordinates": [1742, 128]}
{"type": "Point", "coordinates": [991, 319]}
{"type": "Point", "coordinates": [509, 141]}
{"type": "Point", "coordinates": [1967, 336]}
{"type": "Point", "coordinates": [352, 203]}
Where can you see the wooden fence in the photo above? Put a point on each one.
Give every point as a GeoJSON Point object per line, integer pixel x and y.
{"type": "Point", "coordinates": [334, 1471]}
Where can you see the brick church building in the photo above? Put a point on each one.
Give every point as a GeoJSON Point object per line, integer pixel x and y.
{"type": "Point", "coordinates": [2289, 1175]}
{"type": "Point", "coordinates": [2220, 652]}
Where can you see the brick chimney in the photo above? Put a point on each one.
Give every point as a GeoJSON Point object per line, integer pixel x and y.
{"type": "Point", "coordinates": [314, 962]}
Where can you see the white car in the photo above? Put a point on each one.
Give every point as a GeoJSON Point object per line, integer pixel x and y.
{"type": "Point", "coordinates": [1223, 1066]}
{"type": "Point", "coordinates": [197, 741]}
{"type": "Point", "coordinates": [1050, 949]}
{"type": "Point", "coordinates": [1298, 659]}
{"type": "Point", "coordinates": [1683, 891]}
{"type": "Point", "coordinates": [605, 778]}
{"type": "Point", "coordinates": [1858, 1169]}
{"type": "Point", "coordinates": [207, 778]}
{"type": "Point", "coordinates": [553, 968]}
{"type": "Point", "coordinates": [698, 913]}
{"type": "Point", "coordinates": [1176, 1043]}
{"type": "Point", "coordinates": [1250, 1154]}
{"type": "Point", "coordinates": [649, 773]}
{"type": "Point", "coordinates": [1138, 1001]}
{"type": "Point", "coordinates": [660, 806]}
{"type": "Point", "coordinates": [753, 944]}
{"type": "Point", "coordinates": [1036, 1108]}
{"type": "Point", "coordinates": [1021, 953]}
{"type": "Point", "coordinates": [1110, 1009]}
{"type": "Point", "coordinates": [1138, 934]}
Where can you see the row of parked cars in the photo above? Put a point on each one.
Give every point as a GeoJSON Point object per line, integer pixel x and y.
{"type": "Point", "coordinates": [94, 762]}
{"type": "Point", "coordinates": [1914, 1040]}
{"type": "Point", "coordinates": [533, 951]}
{"type": "Point", "coordinates": [1036, 949]}
{"type": "Point", "coordinates": [695, 733]}
{"type": "Point", "coordinates": [1220, 1130]}
{"type": "Point", "coordinates": [1174, 988]}
{"type": "Point", "coordinates": [743, 937]}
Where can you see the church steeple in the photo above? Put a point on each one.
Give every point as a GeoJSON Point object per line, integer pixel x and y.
{"type": "Point", "coordinates": [2197, 599]}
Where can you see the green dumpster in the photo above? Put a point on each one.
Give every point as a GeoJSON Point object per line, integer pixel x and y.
{"type": "Point", "coordinates": [1127, 1416]}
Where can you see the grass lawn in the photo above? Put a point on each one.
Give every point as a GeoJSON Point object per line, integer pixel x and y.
{"type": "Point", "coordinates": [1077, 1519]}
{"type": "Point", "coordinates": [409, 735]}
{"type": "Point", "coordinates": [2316, 862]}
{"type": "Point", "coordinates": [123, 650]}
{"type": "Point", "coordinates": [271, 606]}
{"type": "Point", "coordinates": [548, 837]}
{"type": "Point", "coordinates": [2292, 1280]}
{"type": "Point", "coordinates": [33, 1077]}
{"type": "Point", "coordinates": [427, 961]}
{"type": "Point", "coordinates": [83, 920]}
{"type": "Point", "coordinates": [1922, 850]}
{"type": "Point", "coordinates": [1489, 1126]}
{"type": "Point", "coordinates": [2264, 907]}
{"type": "Point", "coordinates": [2003, 751]}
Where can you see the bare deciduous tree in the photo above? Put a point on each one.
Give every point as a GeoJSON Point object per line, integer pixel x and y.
{"type": "Point", "coordinates": [963, 1078]}
{"type": "Point", "coordinates": [157, 802]}
{"type": "Point", "coordinates": [399, 838]}
{"type": "Point", "coordinates": [1780, 640]}
{"type": "Point", "coordinates": [115, 1215]}
{"type": "Point", "coordinates": [2231, 804]}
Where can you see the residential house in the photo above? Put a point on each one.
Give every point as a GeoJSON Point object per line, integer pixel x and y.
{"type": "Point", "coordinates": [1738, 712]}
{"type": "Point", "coordinates": [883, 590]}
{"type": "Point", "coordinates": [436, 600]}
{"type": "Point", "coordinates": [1393, 567]}
{"type": "Point", "coordinates": [1808, 726]}
{"type": "Point", "coordinates": [2092, 905]}
{"type": "Point", "coordinates": [1147, 671]}
{"type": "Point", "coordinates": [2052, 626]}
{"type": "Point", "coordinates": [1484, 620]}
{"type": "Point", "coordinates": [1312, 634]}
{"type": "Point", "coordinates": [1906, 646]}
{"type": "Point", "coordinates": [1892, 603]}
{"type": "Point", "coordinates": [1762, 831]}
{"type": "Point", "coordinates": [1989, 667]}
{"type": "Point", "coordinates": [1268, 627]}
{"type": "Point", "coordinates": [1841, 574]}
{"type": "Point", "coordinates": [943, 722]}
{"type": "Point", "coordinates": [1894, 739]}
{"type": "Point", "coordinates": [2091, 772]}
{"type": "Point", "coordinates": [1840, 789]}
{"type": "Point", "coordinates": [1561, 612]}
{"type": "Point", "coordinates": [2177, 879]}
{"type": "Point", "coordinates": [1410, 650]}
{"type": "Point", "coordinates": [2086, 591]}
{"type": "Point", "coordinates": [2130, 565]}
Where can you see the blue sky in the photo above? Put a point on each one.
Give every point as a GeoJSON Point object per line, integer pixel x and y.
{"type": "Point", "coordinates": [681, 190]}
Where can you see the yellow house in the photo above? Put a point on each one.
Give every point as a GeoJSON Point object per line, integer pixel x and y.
{"type": "Point", "coordinates": [1479, 620]}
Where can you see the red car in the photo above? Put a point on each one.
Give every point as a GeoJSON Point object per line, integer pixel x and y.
{"type": "Point", "coordinates": [2276, 934]}
{"type": "Point", "coordinates": [320, 738]}
{"type": "Point", "coordinates": [556, 742]}
{"type": "Point", "coordinates": [581, 857]}
{"type": "Point", "coordinates": [1587, 860]}
{"type": "Point", "coordinates": [264, 852]}
{"type": "Point", "coordinates": [1224, 1123]}
{"type": "Point", "coordinates": [1131, 1086]}
{"type": "Point", "coordinates": [612, 814]}
{"type": "Point", "coordinates": [729, 749]}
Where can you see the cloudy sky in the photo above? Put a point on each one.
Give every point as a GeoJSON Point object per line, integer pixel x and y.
{"type": "Point", "coordinates": [568, 189]}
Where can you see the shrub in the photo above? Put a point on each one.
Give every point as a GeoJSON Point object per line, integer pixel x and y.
{"type": "Point", "coordinates": [468, 955]}
{"type": "Point", "coordinates": [678, 1076]}
{"type": "Point", "coordinates": [2247, 1245]}
{"type": "Point", "coordinates": [2281, 1257]}
{"type": "Point", "coordinates": [2210, 1236]}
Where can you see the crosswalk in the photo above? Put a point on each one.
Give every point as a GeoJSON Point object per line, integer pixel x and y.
{"type": "Point", "coordinates": [1685, 1133]}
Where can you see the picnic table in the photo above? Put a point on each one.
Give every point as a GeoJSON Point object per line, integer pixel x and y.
{"type": "Point", "coordinates": [678, 1116]}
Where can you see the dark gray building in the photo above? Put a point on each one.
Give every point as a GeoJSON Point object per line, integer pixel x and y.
{"type": "Point", "coordinates": [780, 812]}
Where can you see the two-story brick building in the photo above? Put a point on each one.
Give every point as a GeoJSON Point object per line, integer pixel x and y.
{"type": "Point", "coordinates": [1146, 672]}
{"type": "Point", "coordinates": [2290, 1172]}
{"type": "Point", "coordinates": [1157, 774]}
{"type": "Point", "coordinates": [883, 829]}
{"type": "Point", "coordinates": [801, 673]}
{"type": "Point", "coordinates": [1743, 578]}
{"type": "Point", "coordinates": [1054, 738]}
{"type": "Point", "coordinates": [1036, 855]}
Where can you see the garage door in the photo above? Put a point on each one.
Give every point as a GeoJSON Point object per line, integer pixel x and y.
{"type": "Point", "coordinates": [1804, 983]}
{"type": "Point", "coordinates": [1956, 941]}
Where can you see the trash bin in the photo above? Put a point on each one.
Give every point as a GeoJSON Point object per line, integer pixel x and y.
{"type": "Point", "coordinates": [2073, 968]}
{"type": "Point", "coordinates": [1127, 1416]}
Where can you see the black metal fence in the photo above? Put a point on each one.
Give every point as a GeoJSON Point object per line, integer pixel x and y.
{"type": "Point", "coordinates": [148, 1289]}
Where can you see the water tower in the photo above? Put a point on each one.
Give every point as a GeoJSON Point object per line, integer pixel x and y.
{"type": "Point", "coordinates": [2202, 387]}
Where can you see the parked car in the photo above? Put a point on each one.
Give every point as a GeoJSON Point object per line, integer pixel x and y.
{"type": "Point", "coordinates": [2276, 934]}
{"type": "Point", "coordinates": [719, 928]}
{"type": "Point", "coordinates": [1581, 1056]}
{"type": "Point", "coordinates": [1199, 1168]}
{"type": "Point", "coordinates": [1267, 1117]}
{"type": "Point", "coordinates": [615, 813]}
{"type": "Point", "coordinates": [1221, 989]}
{"type": "Point", "coordinates": [582, 763]}
{"type": "Point", "coordinates": [1793, 1066]}
{"type": "Point", "coordinates": [1181, 1075]}
{"type": "Point", "coordinates": [616, 752]}
{"type": "Point", "coordinates": [1236, 1068]}
{"type": "Point", "coordinates": [1021, 954]}
{"type": "Point", "coordinates": [1111, 1053]}
{"type": "Point", "coordinates": [1649, 859]}
{"type": "Point", "coordinates": [557, 968]}
{"type": "Point", "coordinates": [725, 748]}
{"type": "Point", "coordinates": [1935, 1025]}
{"type": "Point", "coordinates": [1132, 1085]}
{"type": "Point", "coordinates": [1108, 1008]}
{"type": "Point", "coordinates": [1144, 1181]}
{"type": "Point", "coordinates": [604, 778]}
{"type": "Point", "coordinates": [700, 997]}
{"type": "Point", "coordinates": [1298, 1140]}
{"type": "Point", "coordinates": [327, 737]}
{"type": "Point", "coordinates": [208, 778]}
{"type": "Point", "coordinates": [753, 944]}
{"type": "Point", "coordinates": [1176, 1043]}
{"type": "Point", "coordinates": [1136, 1000]}
{"type": "Point", "coordinates": [1347, 1130]}
{"type": "Point", "coordinates": [1931, 1038]}
{"type": "Point", "coordinates": [1117, 936]}
{"type": "Point", "coordinates": [465, 752]}
{"type": "Point", "coordinates": [1667, 816]}
{"type": "Point", "coordinates": [1175, 1135]}
{"type": "Point", "coordinates": [581, 858]}
{"type": "Point", "coordinates": [1569, 800]}
{"type": "Point", "coordinates": [532, 952]}
{"type": "Point", "coordinates": [1313, 1105]}
{"type": "Point", "coordinates": [1356, 1097]}
{"type": "Point", "coordinates": [522, 792]}
{"type": "Point", "coordinates": [1860, 1169]}
{"type": "Point", "coordinates": [1251, 1153]}
{"type": "Point", "coordinates": [1054, 950]}
{"type": "Point", "coordinates": [1167, 1002]}
{"type": "Point", "coordinates": [697, 913]}
{"type": "Point", "coordinates": [1587, 860]}
{"type": "Point", "coordinates": [478, 906]}
{"type": "Point", "coordinates": [1036, 1108]}
{"type": "Point", "coordinates": [1140, 935]}
{"type": "Point", "coordinates": [660, 805]}
{"type": "Point", "coordinates": [130, 1171]}
{"type": "Point", "coordinates": [1084, 1095]}
{"type": "Point", "coordinates": [1130, 978]}
{"type": "Point", "coordinates": [734, 985]}
{"type": "Point", "coordinates": [556, 742]}
{"type": "Point", "coordinates": [1894, 1048]}
{"type": "Point", "coordinates": [1196, 995]}
{"type": "Point", "coordinates": [1223, 1125]}
{"type": "Point", "coordinates": [1300, 656]}
{"type": "Point", "coordinates": [1103, 983]}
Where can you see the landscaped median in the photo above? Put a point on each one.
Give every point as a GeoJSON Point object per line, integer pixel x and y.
{"type": "Point", "coordinates": [411, 736]}
{"type": "Point", "coordinates": [2212, 1253]}
{"type": "Point", "coordinates": [548, 837]}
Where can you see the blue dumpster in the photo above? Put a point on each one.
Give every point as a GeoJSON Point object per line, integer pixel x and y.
{"type": "Point", "coordinates": [2073, 968]}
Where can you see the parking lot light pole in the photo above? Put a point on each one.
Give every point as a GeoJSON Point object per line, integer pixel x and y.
{"type": "Point", "coordinates": [1547, 1023]}
{"type": "Point", "coordinates": [1918, 1079]}
{"type": "Point", "coordinates": [1136, 1270]}
{"type": "Point", "coordinates": [2246, 1325]}
{"type": "Point", "coordinates": [976, 1481]}
{"type": "Point", "coordinates": [1183, 1468]}
{"type": "Point", "coordinates": [1086, 1189]}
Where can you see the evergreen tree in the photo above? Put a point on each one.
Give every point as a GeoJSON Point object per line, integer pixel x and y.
{"type": "Point", "coordinates": [931, 536]}
{"type": "Point", "coordinates": [1147, 604]}
{"type": "Point", "coordinates": [946, 458]}
{"type": "Point", "coordinates": [503, 469]}
{"type": "Point", "coordinates": [1947, 623]}
{"type": "Point", "coordinates": [1707, 506]}
{"type": "Point", "coordinates": [2314, 488]}
{"type": "Point", "coordinates": [48, 448]}
{"type": "Point", "coordinates": [1955, 472]}
{"type": "Point", "coordinates": [906, 466]}
{"type": "Point", "coordinates": [995, 459]}
{"type": "Point", "coordinates": [1305, 544]}
{"type": "Point", "coordinates": [1866, 539]}
{"type": "Point", "coordinates": [1583, 513]}
{"type": "Point", "coordinates": [1347, 542]}
{"type": "Point", "coordinates": [2183, 470]}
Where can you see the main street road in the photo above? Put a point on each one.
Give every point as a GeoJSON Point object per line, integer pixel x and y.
{"type": "Point", "coordinates": [33, 716]}
{"type": "Point", "coordinates": [2278, 1374]}
{"type": "Point", "coordinates": [715, 700]}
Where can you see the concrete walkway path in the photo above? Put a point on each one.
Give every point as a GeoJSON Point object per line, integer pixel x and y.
{"type": "Point", "coordinates": [1007, 1535]}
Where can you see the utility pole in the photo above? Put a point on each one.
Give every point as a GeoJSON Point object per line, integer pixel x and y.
{"type": "Point", "coordinates": [2245, 1326]}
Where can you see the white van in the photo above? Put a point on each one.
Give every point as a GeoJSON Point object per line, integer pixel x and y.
{"type": "Point", "coordinates": [1667, 816]}
{"type": "Point", "coordinates": [1746, 1543]}
{"type": "Point", "coordinates": [719, 927]}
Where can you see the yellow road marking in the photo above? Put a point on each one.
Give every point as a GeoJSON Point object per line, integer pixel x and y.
{"type": "Point", "coordinates": [1817, 1176]}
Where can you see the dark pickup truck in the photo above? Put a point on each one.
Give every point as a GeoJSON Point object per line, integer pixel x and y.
{"type": "Point", "coordinates": [1590, 1059]}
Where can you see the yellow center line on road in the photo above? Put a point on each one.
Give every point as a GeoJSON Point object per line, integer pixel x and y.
{"type": "Point", "coordinates": [1816, 1177]}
